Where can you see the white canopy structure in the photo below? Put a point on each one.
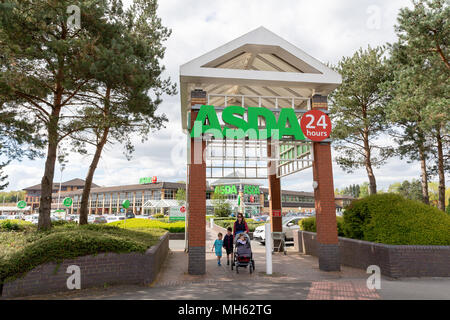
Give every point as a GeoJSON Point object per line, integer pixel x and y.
{"type": "Point", "coordinates": [258, 69]}
{"type": "Point", "coordinates": [163, 203]}
{"type": "Point", "coordinates": [14, 209]}
{"type": "Point", "coordinates": [257, 64]}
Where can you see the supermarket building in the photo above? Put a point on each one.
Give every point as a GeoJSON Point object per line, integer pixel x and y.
{"type": "Point", "coordinates": [149, 197]}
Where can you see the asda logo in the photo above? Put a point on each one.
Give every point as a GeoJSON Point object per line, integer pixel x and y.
{"type": "Point", "coordinates": [233, 190]}
{"type": "Point", "coordinates": [236, 127]}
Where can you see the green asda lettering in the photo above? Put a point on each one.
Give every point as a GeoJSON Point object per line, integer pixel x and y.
{"type": "Point", "coordinates": [237, 128]}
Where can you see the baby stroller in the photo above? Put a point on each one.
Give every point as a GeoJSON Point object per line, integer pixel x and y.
{"type": "Point", "coordinates": [242, 254]}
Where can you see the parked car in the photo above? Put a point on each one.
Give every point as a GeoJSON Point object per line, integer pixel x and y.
{"type": "Point", "coordinates": [100, 220]}
{"type": "Point", "coordinates": [288, 225]}
{"type": "Point", "coordinates": [112, 218]}
{"type": "Point", "coordinates": [261, 218]}
{"type": "Point", "coordinates": [130, 215]}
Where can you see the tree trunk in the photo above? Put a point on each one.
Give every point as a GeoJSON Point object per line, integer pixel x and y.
{"type": "Point", "coordinates": [88, 183]}
{"type": "Point", "coordinates": [90, 176]}
{"type": "Point", "coordinates": [369, 169]}
{"type": "Point", "coordinates": [45, 202]}
{"type": "Point", "coordinates": [424, 173]}
{"type": "Point", "coordinates": [441, 173]}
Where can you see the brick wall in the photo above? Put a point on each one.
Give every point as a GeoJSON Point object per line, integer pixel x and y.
{"type": "Point", "coordinates": [96, 271]}
{"type": "Point", "coordinates": [325, 206]}
{"type": "Point", "coordinates": [196, 195]}
{"type": "Point", "coordinates": [395, 261]}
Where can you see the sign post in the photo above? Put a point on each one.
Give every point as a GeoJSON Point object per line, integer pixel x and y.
{"type": "Point", "coordinates": [177, 213]}
{"type": "Point", "coordinates": [125, 205]}
{"type": "Point", "coordinates": [268, 249]}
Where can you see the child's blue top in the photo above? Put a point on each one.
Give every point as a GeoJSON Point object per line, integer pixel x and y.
{"type": "Point", "coordinates": [218, 246]}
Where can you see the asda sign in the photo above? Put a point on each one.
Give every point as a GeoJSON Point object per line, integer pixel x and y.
{"type": "Point", "coordinates": [207, 121]}
{"type": "Point", "coordinates": [233, 190]}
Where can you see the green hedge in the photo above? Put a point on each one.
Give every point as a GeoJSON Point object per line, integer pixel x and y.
{"type": "Point", "coordinates": [309, 224]}
{"type": "Point", "coordinates": [14, 225]}
{"type": "Point", "coordinates": [136, 223]}
{"type": "Point", "coordinates": [392, 219]}
{"type": "Point", "coordinates": [21, 252]}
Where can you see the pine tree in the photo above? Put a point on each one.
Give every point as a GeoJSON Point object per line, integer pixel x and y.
{"type": "Point", "coordinates": [357, 109]}
{"type": "Point", "coordinates": [119, 105]}
{"type": "Point", "coordinates": [420, 85]}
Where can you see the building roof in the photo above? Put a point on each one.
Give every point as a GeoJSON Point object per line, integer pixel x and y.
{"type": "Point", "coordinates": [70, 183]}
{"type": "Point", "coordinates": [290, 192]}
{"type": "Point", "coordinates": [131, 187]}
{"type": "Point", "coordinates": [237, 178]}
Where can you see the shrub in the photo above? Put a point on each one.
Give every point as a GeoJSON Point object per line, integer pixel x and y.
{"type": "Point", "coordinates": [158, 215]}
{"type": "Point", "coordinates": [392, 219]}
{"type": "Point", "coordinates": [136, 223]}
{"type": "Point", "coordinates": [68, 242]}
{"type": "Point", "coordinates": [309, 224]}
{"type": "Point", "coordinates": [13, 225]}
{"type": "Point", "coordinates": [62, 223]}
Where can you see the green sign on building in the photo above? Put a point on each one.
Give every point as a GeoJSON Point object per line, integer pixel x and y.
{"type": "Point", "coordinates": [233, 190]}
{"type": "Point", "coordinates": [286, 125]}
{"type": "Point", "coordinates": [67, 202]}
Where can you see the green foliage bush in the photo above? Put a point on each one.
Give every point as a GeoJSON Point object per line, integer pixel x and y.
{"type": "Point", "coordinates": [13, 225]}
{"type": "Point", "coordinates": [136, 223]}
{"type": "Point", "coordinates": [158, 215]}
{"type": "Point", "coordinates": [27, 250]}
{"type": "Point", "coordinates": [391, 219]}
{"type": "Point", "coordinates": [309, 224]}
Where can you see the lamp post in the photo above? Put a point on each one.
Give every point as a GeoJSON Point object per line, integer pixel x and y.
{"type": "Point", "coordinates": [61, 168]}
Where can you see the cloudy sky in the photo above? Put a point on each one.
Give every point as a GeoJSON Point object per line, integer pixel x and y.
{"type": "Point", "coordinates": [325, 29]}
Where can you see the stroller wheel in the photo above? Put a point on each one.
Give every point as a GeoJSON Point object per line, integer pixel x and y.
{"type": "Point", "coordinates": [237, 269]}
{"type": "Point", "coordinates": [250, 268]}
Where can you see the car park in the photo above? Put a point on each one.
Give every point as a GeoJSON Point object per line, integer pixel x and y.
{"type": "Point", "coordinates": [100, 220]}
{"type": "Point", "coordinates": [112, 218]}
{"type": "Point", "coordinates": [261, 218]}
{"type": "Point", "coordinates": [288, 225]}
{"type": "Point", "coordinates": [130, 215]}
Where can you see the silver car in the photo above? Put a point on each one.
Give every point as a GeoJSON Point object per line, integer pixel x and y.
{"type": "Point", "coordinates": [288, 224]}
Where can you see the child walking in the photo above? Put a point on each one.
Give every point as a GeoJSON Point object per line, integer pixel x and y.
{"type": "Point", "coordinates": [217, 245]}
{"type": "Point", "coordinates": [228, 243]}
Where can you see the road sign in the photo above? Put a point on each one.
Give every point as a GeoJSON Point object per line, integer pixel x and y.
{"type": "Point", "coordinates": [316, 125]}
{"type": "Point", "coordinates": [21, 204]}
{"type": "Point", "coordinates": [126, 204]}
{"type": "Point", "coordinates": [177, 213]}
{"type": "Point", "coordinates": [67, 202]}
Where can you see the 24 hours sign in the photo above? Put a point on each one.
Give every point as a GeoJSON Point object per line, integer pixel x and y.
{"type": "Point", "coordinates": [316, 125]}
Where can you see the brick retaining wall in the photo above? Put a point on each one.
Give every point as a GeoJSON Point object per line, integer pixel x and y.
{"type": "Point", "coordinates": [96, 270]}
{"type": "Point", "coordinates": [395, 261]}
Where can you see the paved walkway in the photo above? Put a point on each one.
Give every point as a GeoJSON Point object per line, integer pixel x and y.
{"type": "Point", "coordinates": [295, 276]}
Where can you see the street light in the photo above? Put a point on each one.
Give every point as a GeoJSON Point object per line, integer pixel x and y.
{"type": "Point", "coordinates": [61, 168]}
